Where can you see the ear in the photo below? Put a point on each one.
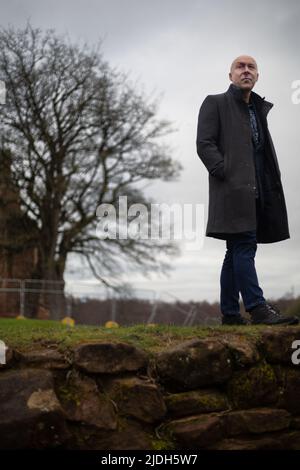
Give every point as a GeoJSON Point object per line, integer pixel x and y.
{"type": "Point", "coordinates": [230, 76]}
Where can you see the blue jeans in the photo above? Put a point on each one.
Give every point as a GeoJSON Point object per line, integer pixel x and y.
{"type": "Point", "coordinates": [238, 274]}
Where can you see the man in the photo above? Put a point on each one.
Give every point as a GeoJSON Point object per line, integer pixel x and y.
{"type": "Point", "coordinates": [246, 199]}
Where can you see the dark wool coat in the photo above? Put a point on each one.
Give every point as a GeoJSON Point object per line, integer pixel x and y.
{"type": "Point", "coordinates": [224, 144]}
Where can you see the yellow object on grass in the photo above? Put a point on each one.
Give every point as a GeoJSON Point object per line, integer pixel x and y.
{"type": "Point", "coordinates": [68, 321]}
{"type": "Point", "coordinates": [111, 324]}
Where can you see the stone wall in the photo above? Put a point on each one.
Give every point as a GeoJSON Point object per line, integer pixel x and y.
{"type": "Point", "coordinates": [226, 391]}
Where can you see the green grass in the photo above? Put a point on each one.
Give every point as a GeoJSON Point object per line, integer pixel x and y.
{"type": "Point", "coordinates": [30, 334]}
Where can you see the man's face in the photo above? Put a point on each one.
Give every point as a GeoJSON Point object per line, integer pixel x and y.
{"type": "Point", "coordinates": [243, 72]}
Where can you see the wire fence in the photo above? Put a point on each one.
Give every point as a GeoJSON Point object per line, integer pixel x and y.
{"type": "Point", "coordinates": [94, 304]}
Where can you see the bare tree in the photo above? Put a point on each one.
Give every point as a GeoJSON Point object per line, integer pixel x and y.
{"type": "Point", "coordinates": [79, 134]}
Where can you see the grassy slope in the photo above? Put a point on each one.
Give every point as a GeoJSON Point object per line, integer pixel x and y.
{"type": "Point", "coordinates": [33, 334]}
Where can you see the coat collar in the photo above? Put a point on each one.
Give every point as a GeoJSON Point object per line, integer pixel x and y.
{"type": "Point", "coordinates": [259, 102]}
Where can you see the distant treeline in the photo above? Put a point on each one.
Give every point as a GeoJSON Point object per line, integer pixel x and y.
{"type": "Point", "coordinates": [132, 311]}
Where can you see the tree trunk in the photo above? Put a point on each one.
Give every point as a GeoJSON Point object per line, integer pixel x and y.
{"type": "Point", "coordinates": [48, 301]}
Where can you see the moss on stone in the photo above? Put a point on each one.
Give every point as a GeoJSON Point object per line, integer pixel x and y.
{"type": "Point", "coordinates": [69, 393]}
{"type": "Point", "coordinates": [162, 444]}
{"type": "Point", "coordinates": [257, 386]}
{"type": "Point", "coordinates": [198, 401]}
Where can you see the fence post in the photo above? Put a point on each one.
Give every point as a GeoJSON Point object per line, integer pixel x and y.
{"type": "Point", "coordinates": [113, 309]}
{"type": "Point", "coordinates": [22, 298]}
{"type": "Point", "coordinates": [154, 308]}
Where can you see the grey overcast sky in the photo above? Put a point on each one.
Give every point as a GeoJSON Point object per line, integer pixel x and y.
{"type": "Point", "coordinates": [182, 50]}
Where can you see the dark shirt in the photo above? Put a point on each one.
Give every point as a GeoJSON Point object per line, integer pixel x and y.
{"type": "Point", "coordinates": [258, 148]}
{"type": "Point", "coordinates": [254, 125]}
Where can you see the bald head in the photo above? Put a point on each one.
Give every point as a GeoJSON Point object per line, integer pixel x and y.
{"type": "Point", "coordinates": [243, 72]}
{"type": "Point", "coordinates": [244, 59]}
